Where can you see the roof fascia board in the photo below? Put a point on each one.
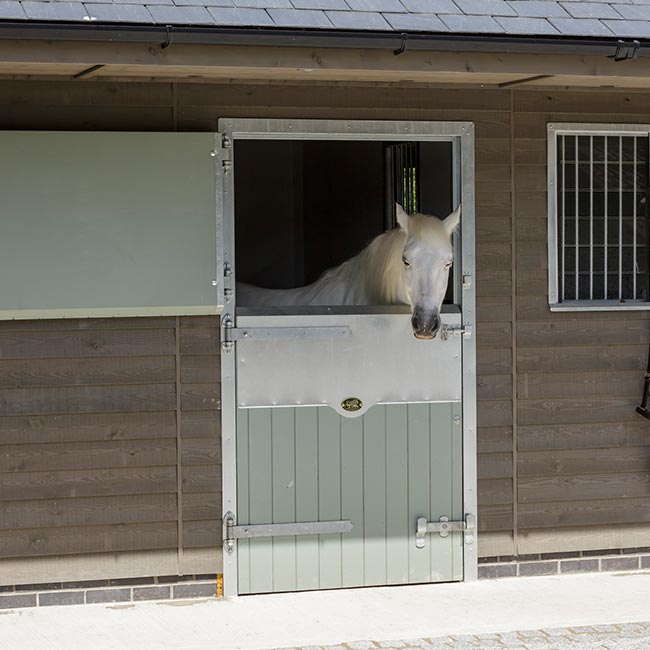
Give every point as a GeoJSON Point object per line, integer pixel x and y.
{"type": "Point", "coordinates": [303, 63]}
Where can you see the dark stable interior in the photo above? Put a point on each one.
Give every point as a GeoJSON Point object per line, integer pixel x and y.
{"type": "Point", "coordinates": [303, 206]}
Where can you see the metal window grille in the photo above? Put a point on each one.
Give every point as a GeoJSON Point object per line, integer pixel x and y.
{"type": "Point", "coordinates": [602, 217]}
{"type": "Point", "coordinates": [402, 167]}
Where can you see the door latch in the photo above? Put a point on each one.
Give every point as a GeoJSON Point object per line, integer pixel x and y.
{"type": "Point", "coordinates": [443, 527]}
{"type": "Point", "coordinates": [464, 330]}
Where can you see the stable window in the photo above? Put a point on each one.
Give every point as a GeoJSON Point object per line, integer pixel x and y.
{"type": "Point", "coordinates": [598, 217]}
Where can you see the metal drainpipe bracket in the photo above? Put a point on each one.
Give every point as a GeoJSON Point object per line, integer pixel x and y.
{"type": "Point", "coordinates": [626, 50]}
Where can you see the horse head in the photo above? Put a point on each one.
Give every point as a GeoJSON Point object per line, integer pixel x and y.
{"type": "Point", "coordinates": [427, 257]}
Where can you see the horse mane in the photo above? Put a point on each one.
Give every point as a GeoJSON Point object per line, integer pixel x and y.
{"type": "Point", "coordinates": [372, 277]}
{"type": "Point", "coordinates": [383, 268]}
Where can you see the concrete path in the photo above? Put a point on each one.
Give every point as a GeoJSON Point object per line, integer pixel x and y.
{"type": "Point", "coordinates": [424, 612]}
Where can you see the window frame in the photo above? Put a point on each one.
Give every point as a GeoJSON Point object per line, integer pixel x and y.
{"type": "Point", "coordinates": [554, 129]}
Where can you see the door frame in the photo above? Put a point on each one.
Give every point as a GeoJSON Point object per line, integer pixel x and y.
{"type": "Point", "coordinates": [461, 134]}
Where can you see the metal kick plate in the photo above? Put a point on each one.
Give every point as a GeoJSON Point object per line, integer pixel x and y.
{"type": "Point", "coordinates": [379, 362]}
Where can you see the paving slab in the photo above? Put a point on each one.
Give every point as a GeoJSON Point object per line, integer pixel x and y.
{"type": "Point", "coordinates": [625, 636]}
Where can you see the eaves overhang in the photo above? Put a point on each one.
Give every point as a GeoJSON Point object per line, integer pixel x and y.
{"type": "Point", "coordinates": [398, 42]}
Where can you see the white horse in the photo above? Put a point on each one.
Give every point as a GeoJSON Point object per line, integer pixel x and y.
{"type": "Point", "coordinates": [408, 265]}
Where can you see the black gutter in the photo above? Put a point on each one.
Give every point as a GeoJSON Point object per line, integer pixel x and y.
{"type": "Point", "coordinates": [396, 41]}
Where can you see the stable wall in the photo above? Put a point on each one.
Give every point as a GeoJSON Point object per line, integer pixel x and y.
{"type": "Point", "coordinates": [564, 462]}
{"type": "Point", "coordinates": [109, 448]}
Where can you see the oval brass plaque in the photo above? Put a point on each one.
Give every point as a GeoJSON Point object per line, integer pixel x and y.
{"type": "Point", "coordinates": [352, 404]}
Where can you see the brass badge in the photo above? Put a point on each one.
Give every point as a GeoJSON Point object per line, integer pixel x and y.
{"type": "Point", "coordinates": [352, 404]}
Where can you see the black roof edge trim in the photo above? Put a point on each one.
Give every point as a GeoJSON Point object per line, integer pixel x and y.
{"type": "Point", "coordinates": [492, 43]}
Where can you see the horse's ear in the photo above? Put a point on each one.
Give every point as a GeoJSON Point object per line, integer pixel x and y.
{"type": "Point", "coordinates": [402, 217]}
{"type": "Point", "coordinates": [451, 222]}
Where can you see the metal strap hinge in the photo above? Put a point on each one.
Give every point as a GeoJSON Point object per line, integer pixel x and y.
{"type": "Point", "coordinates": [226, 327]}
{"type": "Point", "coordinates": [226, 154]}
{"type": "Point", "coordinates": [463, 330]}
{"type": "Point", "coordinates": [231, 531]}
{"type": "Point", "coordinates": [443, 527]}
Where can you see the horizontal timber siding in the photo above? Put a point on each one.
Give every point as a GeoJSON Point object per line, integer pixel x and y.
{"type": "Point", "coordinates": [583, 454]}
{"type": "Point", "coordinates": [109, 442]}
{"type": "Point", "coordinates": [561, 454]}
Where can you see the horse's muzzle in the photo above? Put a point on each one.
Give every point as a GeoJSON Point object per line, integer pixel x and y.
{"type": "Point", "coordinates": [425, 325]}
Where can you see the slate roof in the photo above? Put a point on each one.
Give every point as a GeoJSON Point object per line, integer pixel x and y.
{"type": "Point", "coordinates": [570, 18]}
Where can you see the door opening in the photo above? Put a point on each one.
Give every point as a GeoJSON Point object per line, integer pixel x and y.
{"type": "Point", "coordinates": [348, 444]}
{"type": "Point", "coordinates": [304, 206]}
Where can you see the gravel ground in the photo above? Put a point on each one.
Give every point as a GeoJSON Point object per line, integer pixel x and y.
{"type": "Point", "coordinates": [629, 636]}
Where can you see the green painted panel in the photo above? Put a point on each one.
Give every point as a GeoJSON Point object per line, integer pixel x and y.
{"type": "Point", "coordinates": [284, 497]}
{"type": "Point", "coordinates": [243, 498]}
{"type": "Point", "coordinates": [352, 501]}
{"type": "Point", "coordinates": [399, 535]}
{"type": "Point", "coordinates": [107, 224]}
{"type": "Point", "coordinates": [440, 548]}
{"type": "Point", "coordinates": [329, 494]}
{"type": "Point", "coordinates": [261, 497]}
{"type": "Point", "coordinates": [374, 494]}
{"type": "Point", "coordinates": [457, 487]}
{"type": "Point", "coordinates": [307, 547]}
{"type": "Point", "coordinates": [419, 495]}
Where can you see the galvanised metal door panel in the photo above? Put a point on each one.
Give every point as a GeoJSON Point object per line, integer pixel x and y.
{"type": "Point", "coordinates": [382, 471]}
{"type": "Point", "coordinates": [378, 360]}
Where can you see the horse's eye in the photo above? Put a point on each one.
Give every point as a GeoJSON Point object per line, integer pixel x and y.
{"type": "Point", "coordinates": [406, 262]}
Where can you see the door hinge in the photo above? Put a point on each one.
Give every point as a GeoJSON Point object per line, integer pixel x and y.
{"type": "Point", "coordinates": [226, 327]}
{"type": "Point", "coordinates": [447, 330]}
{"type": "Point", "coordinates": [226, 153]}
{"type": "Point", "coordinates": [443, 527]}
{"type": "Point", "coordinates": [231, 531]}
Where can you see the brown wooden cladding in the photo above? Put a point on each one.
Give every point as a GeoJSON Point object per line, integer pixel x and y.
{"type": "Point", "coordinates": [583, 454]}
{"type": "Point", "coordinates": [559, 444]}
{"type": "Point", "coordinates": [109, 437]}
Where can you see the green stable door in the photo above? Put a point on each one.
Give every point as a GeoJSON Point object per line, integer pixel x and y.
{"type": "Point", "coordinates": [348, 445]}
